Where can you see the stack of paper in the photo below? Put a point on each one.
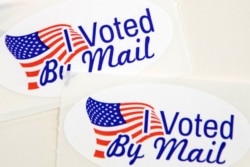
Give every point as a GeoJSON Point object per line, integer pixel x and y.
{"type": "Point", "coordinates": [192, 56]}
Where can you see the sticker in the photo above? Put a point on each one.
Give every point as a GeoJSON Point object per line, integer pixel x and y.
{"type": "Point", "coordinates": [84, 36]}
{"type": "Point", "coordinates": [156, 124]}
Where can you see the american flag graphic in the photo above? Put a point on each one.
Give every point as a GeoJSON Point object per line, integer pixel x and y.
{"type": "Point", "coordinates": [110, 119]}
{"type": "Point", "coordinates": [60, 42]}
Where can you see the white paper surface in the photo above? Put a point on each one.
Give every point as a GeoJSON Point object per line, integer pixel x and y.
{"type": "Point", "coordinates": [13, 11]}
{"type": "Point", "coordinates": [14, 105]}
{"type": "Point", "coordinates": [29, 141]}
{"type": "Point", "coordinates": [217, 34]}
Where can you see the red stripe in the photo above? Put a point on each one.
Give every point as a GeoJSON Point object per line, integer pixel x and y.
{"type": "Point", "coordinates": [78, 37]}
{"type": "Point", "coordinates": [113, 133]}
{"type": "Point", "coordinates": [137, 103]}
{"type": "Point", "coordinates": [55, 42]}
{"type": "Point", "coordinates": [156, 127]}
{"type": "Point", "coordinates": [51, 37]}
{"type": "Point", "coordinates": [157, 121]}
{"type": "Point", "coordinates": [102, 142]}
{"type": "Point", "coordinates": [78, 43]}
{"type": "Point", "coordinates": [99, 154]}
{"type": "Point", "coordinates": [75, 53]}
{"type": "Point", "coordinates": [136, 134]}
{"type": "Point", "coordinates": [134, 119]}
{"type": "Point", "coordinates": [62, 55]}
{"type": "Point", "coordinates": [57, 25]}
{"type": "Point", "coordinates": [32, 85]}
{"type": "Point", "coordinates": [132, 113]}
{"type": "Point", "coordinates": [32, 73]}
{"type": "Point", "coordinates": [48, 33]}
{"type": "Point", "coordinates": [149, 136]}
{"type": "Point", "coordinates": [132, 108]}
{"type": "Point", "coordinates": [75, 34]}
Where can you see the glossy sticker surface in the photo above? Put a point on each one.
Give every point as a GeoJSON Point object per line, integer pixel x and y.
{"type": "Point", "coordinates": [156, 124]}
{"type": "Point", "coordinates": [87, 36]}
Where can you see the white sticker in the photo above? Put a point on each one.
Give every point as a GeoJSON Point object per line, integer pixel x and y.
{"type": "Point", "coordinates": [156, 125]}
{"type": "Point", "coordinates": [122, 37]}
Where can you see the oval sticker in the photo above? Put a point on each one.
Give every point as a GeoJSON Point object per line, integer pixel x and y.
{"type": "Point", "coordinates": [156, 124]}
{"type": "Point", "coordinates": [122, 37]}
